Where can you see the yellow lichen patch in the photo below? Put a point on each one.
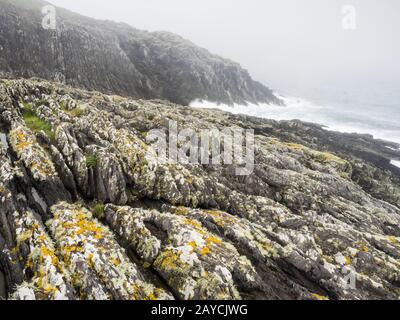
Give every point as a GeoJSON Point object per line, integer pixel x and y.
{"type": "Point", "coordinates": [195, 224]}
{"type": "Point", "coordinates": [170, 259]}
{"type": "Point", "coordinates": [328, 258]}
{"type": "Point", "coordinates": [213, 240]}
{"type": "Point", "coordinates": [46, 252]}
{"type": "Point", "coordinates": [70, 249]}
{"type": "Point", "coordinates": [33, 156]}
{"type": "Point", "coordinates": [325, 157]}
{"type": "Point", "coordinates": [204, 251]}
{"type": "Point", "coordinates": [295, 146]}
{"type": "Point", "coordinates": [321, 157]}
{"type": "Point", "coordinates": [116, 262]}
{"type": "Point", "coordinates": [22, 140]}
{"type": "Point", "coordinates": [365, 249]}
{"type": "Point", "coordinates": [392, 239]}
{"type": "Point", "coordinates": [267, 248]}
{"type": "Point", "coordinates": [23, 236]}
{"type": "Point", "coordinates": [90, 261]}
{"type": "Point", "coordinates": [49, 289]}
{"type": "Point", "coordinates": [219, 218]}
{"type": "Point", "coordinates": [93, 252]}
{"type": "Point", "coordinates": [151, 296]}
{"type": "Point", "coordinates": [42, 262]}
{"type": "Point", "coordinates": [318, 297]}
{"type": "Point", "coordinates": [88, 227]}
{"type": "Point", "coordinates": [193, 245]}
{"type": "Point", "coordinates": [182, 211]}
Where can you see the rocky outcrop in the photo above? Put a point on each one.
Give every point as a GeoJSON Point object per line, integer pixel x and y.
{"type": "Point", "coordinates": [88, 211]}
{"type": "Point", "coordinates": [116, 58]}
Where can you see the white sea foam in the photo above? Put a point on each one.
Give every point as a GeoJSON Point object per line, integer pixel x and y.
{"type": "Point", "coordinates": [395, 163]}
{"type": "Point", "coordinates": [343, 119]}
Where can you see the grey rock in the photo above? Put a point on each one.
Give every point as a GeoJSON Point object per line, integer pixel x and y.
{"type": "Point", "coordinates": [319, 207]}
{"type": "Point", "coordinates": [116, 58]}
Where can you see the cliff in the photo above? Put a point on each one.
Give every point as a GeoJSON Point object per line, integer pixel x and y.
{"type": "Point", "coordinates": [116, 58]}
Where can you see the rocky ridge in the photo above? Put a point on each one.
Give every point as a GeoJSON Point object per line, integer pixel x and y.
{"type": "Point", "coordinates": [85, 214]}
{"type": "Point", "coordinates": [116, 58]}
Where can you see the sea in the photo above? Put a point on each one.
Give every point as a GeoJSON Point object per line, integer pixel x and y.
{"type": "Point", "coordinates": [371, 110]}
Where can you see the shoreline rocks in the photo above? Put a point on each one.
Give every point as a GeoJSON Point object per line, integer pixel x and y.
{"type": "Point", "coordinates": [86, 213]}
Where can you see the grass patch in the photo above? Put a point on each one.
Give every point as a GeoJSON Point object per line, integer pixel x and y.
{"type": "Point", "coordinates": [76, 112]}
{"type": "Point", "coordinates": [41, 102]}
{"type": "Point", "coordinates": [98, 210]}
{"type": "Point", "coordinates": [34, 123]}
{"type": "Point", "coordinates": [5, 81]}
{"type": "Point", "coordinates": [91, 161]}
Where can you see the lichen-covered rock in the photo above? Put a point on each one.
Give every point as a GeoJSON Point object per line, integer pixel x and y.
{"type": "Point", "coordinates": [38, 164]}
{"type": "Point", "coordinates": [318, 217]}
{"type": "Point", "coordinates": [114, 57]}
{"type": "Point", "coordinates": [8, 257]}
{"type": "Point", "coordinates": [196, 263]}
{"type": "Point", "coordinates": [109, 178]}
{"type": "Point", "coordinates": [49, 277]}
{"type": "Point", "coordinates": [100, 268]}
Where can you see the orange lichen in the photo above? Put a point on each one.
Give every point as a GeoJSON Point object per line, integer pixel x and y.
{"type": "Point", "coordinates": [193, 223]}
{"type": "Point", "coordinates": [318, 297]}
{"type": "Point", "coordinates": [365, 249]}
{"type": "Point", "coordinates": [170, 260]}
{"type": "Point", "coordinates": [182, 211]}
{"type": "Point", "coordinates": [116, 262]}
{"type": "Point", "coordinates": [193, 245]}
{"type": "Point", "coordinates": [392, 239]}
{"type": "Point", "coordinates": [213, 240]}
{"type": "Point", "coordinates": [219, 218]}
{"type": "Point", "coordinates": [49, 253]}
{"type": "Point", "coordinates": [204, 251]}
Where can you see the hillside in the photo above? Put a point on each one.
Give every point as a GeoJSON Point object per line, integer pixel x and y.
{"type": "Point", "coordinates": [116, 58]}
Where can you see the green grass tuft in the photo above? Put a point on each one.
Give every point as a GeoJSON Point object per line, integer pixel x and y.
{"type": "Point", "coordinates": [34, 123]}
{"type": "Point", "coordinates": [98, 210]}
{"type": "Point", "coordinates": [76, 112]}
{"type": "Point", "coordinates": [91, 161]}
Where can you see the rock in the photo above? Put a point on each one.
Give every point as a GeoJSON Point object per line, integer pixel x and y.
{"type": "Point", "coordinates": [318, 217]}
{"type": "Point", "coordinates": [92, 255]}
{"type": "Point", "coordinates": [116, 58]}
{"type": "Point", "coordinates": [50, 280]}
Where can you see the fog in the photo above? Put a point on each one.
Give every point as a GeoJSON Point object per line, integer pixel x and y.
{"type": "Point", "coordinates": [286, 44]}
{"type": "Point", "coordinates": [342, 69]}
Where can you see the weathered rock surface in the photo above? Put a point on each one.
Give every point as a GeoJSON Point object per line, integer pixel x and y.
{"type": "Point", "coordinates": [116, 58]}
{"type": "Point", "coordinates": [87, 211]}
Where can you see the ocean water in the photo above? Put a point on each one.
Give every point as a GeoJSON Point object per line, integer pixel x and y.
{"type": "Point", "coordinates": [395, 163]}
{"type": "Point", "coordinates": [374, 110]}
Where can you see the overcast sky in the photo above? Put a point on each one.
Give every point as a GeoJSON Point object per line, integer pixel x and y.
{"type": "Point", "coordinates": [283, 43]}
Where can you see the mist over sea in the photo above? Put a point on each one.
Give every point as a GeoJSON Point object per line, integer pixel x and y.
{"type": "Point", "coordinates": [369, 110]}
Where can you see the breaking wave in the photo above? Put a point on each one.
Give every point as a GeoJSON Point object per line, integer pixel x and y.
{"type": "Point", "coordinates": [344, 119]}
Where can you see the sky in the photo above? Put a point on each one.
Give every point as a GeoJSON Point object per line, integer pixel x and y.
{"type": "Point", "coordinates": [288, 45]}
